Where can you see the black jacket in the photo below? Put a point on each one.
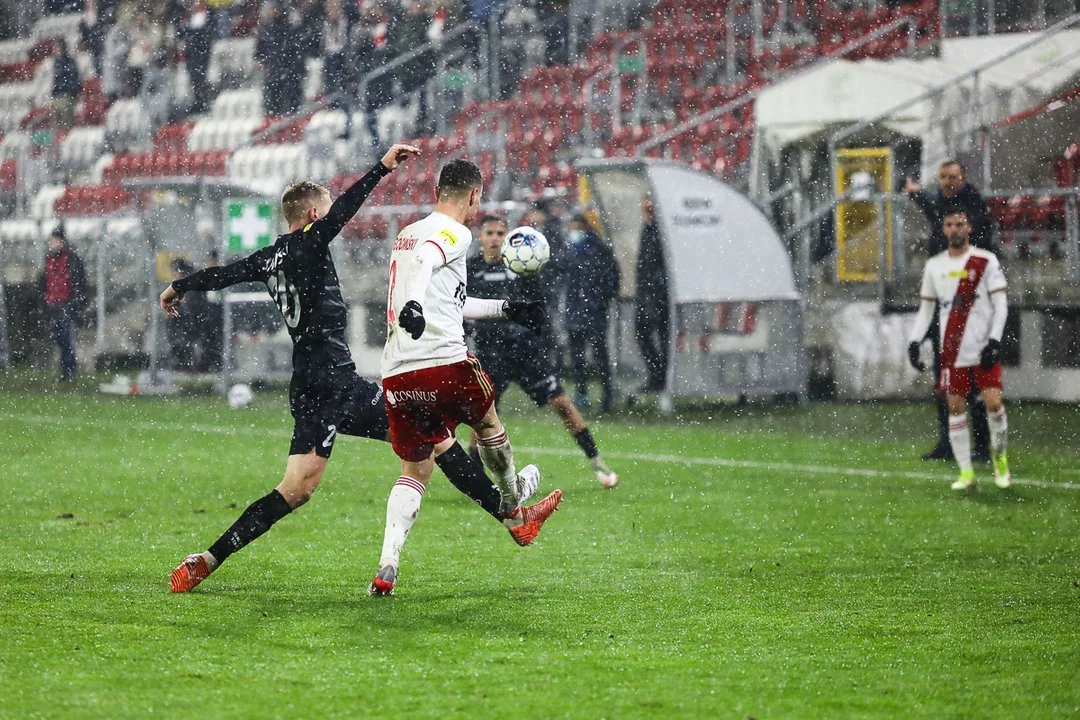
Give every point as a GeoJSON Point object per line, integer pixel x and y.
{"type": "Point", "coordinates": [591, 275]}
{"type": "Point", "coordinates": [652, 284]}
{"type": "Point", "coordinates": [978, 215]}
{"type": "Point", "coordinates": [66, 82]}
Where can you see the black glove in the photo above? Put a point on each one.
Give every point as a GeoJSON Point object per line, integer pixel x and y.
{"type": "Point", "coordinates": [990, 354]}
{"type": "Point", "coordinates": [527, 313]}
{"type": "Point", "coordinates": [411, 319]}
{"type": "Point", "coordinates": [913, 357]}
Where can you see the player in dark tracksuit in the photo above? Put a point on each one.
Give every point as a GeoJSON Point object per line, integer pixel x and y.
{"type": "Point", "coordinates": [512, 353]}
{"type": "Point", "coordinates": [326, 396]}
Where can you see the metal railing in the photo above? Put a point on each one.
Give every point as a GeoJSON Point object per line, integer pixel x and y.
{"type": "Point", "coordinates": [364, 83]}
{"type": "Point", "coordinates": [804, 63]}
{"type": "Point", "coordinates": [1038, 279]}
{"type": "Point", "coordinates": [974, 75]}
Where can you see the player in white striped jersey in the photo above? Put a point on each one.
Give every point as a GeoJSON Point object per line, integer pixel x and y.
{"type": "Point", "coordinates": [969, 287]}
{"type": "Point", "coordinates": [431, 383]}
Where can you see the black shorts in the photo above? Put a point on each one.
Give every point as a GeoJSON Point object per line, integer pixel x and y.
{"type": "Point", "coordinates": [339, 403]}
{"type": "Point", "coordinates": [526, 364]}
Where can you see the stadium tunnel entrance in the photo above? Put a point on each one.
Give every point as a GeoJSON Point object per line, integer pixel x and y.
{"type": "Point", "coordinates": [735, 314]}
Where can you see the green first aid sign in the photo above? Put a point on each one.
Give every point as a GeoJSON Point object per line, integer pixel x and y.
{"type": "Point", "coordinates": [249, 225]}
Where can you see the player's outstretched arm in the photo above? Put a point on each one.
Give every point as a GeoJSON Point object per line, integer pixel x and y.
{"type": "Point", "coordinates": [349, 202]}
{"type": "Point", "coordinates": [528, 313]}
{"type": "Point", "coordinates": [249, 269]}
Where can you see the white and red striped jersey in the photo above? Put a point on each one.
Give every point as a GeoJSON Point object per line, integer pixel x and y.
{"type": "Point", "coordinates": [962, 287]}
{"type": "Point", "coordinates": [443, 341]}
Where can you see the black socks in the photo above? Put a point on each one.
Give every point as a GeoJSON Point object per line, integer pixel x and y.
{"type": "Point", "coordinates": [468, 476]}
{"type": "Point", "coordinates": [586, 443]}
{"type": "Point", "coordinates": [256, 520]}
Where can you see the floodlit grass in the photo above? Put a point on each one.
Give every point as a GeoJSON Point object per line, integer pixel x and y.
{"type": "Point", "coordinates": [788, 562]}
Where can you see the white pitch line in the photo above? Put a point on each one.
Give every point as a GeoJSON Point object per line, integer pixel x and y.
{"type": "Point", "coordinates": [644, 457]}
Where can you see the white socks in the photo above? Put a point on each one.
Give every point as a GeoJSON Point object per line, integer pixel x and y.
{"type": "Point", "coordinates": [960, 441]}
{"type": "Point", "coordinates": [499, 459]}
{"type": "Point", "coordinates": [999, 431]}
{"type": "Point", "coordinates": [401, 511]}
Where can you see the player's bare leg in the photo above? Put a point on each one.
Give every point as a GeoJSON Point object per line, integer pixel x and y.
{"type": "Point", "coordinates": [302, 476]}
{"type": "Point", "coordinates": [999, 433]}
{"type": "Point", "coordinates": [960, 441]}
{"type": "Point", "coordinates": [575, 425]}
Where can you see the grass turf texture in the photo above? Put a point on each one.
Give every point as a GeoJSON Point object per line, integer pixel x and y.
{"type": "Point", "coordinates": [693, 590]}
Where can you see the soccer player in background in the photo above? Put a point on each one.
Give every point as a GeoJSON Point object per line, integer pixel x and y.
{"type": "Point", "coordinates": [513, 353]}
{"type": "Point", "coordinates": [431, 381]}
{"type": "Point", "coordinates": [326, 396]}
{"type": "Point", "coordinates": [969, 287]}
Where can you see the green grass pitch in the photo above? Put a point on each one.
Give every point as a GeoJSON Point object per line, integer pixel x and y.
{"type": "Point", "coordinates": [756, 562]}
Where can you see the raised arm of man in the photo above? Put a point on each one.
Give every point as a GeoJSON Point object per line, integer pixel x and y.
{"type": "Point", "coordinates": [249, 269]}
{"type": "Point", "coordinates": [349, 202]}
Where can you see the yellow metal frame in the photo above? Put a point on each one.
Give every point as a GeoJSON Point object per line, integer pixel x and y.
{"type": "Point", "coordinates": [858, 217]}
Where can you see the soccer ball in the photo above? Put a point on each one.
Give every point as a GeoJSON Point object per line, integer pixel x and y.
{"type": "Point", "coordinates": [240, 396]}
{"type": "Point", "coordinates": [525, 251]}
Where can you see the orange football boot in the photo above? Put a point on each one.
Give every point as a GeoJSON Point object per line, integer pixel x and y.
{"type": "Point", "coordinates": [534, 516]}
{"type": "Point", "coordinates": [190, 573]}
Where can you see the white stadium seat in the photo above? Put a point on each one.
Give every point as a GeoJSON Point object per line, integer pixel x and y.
{"type": "Point", "coordinates": [41, 206]}
{"type": "Point", "coordinates": [127, 123]}
{"type": "Point", "coordinates": [52, 26]}
{"type": "Point", "coordinates": [15, 51]}
{"type": "Point", "coordinates": [97, 171]}
{"type": "Point", "coordinates": [238, 104]}
{"type": "Point", "coordinates": [13, 144]}
{"type": "Point", "coordinates": [82, 146]}
{"type": "Point", "coordinates": [232, 58]}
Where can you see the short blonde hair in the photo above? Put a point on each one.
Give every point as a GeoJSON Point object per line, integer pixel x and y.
{"type": "Point", "coordinates": [299, 197]}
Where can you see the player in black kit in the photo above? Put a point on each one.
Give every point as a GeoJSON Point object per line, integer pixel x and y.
{"type": "Point", "coordinates": [326, 396]}
{"type": "Point", "coordinates": [511, 353]}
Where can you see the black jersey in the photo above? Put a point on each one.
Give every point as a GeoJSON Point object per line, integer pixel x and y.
{"type": "Point", "coordinates": [299, 274]}
{"type": "Point", "coordinates": [498, 283]}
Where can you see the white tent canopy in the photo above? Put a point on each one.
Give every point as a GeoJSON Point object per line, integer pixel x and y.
{"type": "Point", "coordinates": [840, 93]}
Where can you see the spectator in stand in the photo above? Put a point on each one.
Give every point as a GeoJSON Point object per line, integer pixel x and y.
{"type": "Point", "coordinates": [114, 69]}
{"type": "Point", "coordinates": [339, 75]}
{"type": "Point", "coordinates": [92, 40]}
{"type": "Point", "coordinates": [555, 20]}
{"type": "Point", "coordinates": [278, 51]}
{"type": "Point", "coordinates": [954, 191]}
{"type": "Point", "coordinates": [63, 7]}
{"type": "Point", "coordinates": [66, 86]}
{"type": "Point", "coordinates": [63, 287]}
{"type": "Point", "coordinates": [482, 10]}
{"type": "Point", "coordinates": [592, 282]}
{"type": "Point", "coordinates": [407, 34]}
{"type": "Point", "coordinates": [517, 31]}
{"type": "Point", "coordinates": [145, 44]}
{"type": "Point", "coordinates": [370, 39]}
{"type": "Point", "coordinates": [220, 17]}
{"type": "Point", "coordinates": [652, 326]}
{"type": "Point", "coordinates": [197, 37]}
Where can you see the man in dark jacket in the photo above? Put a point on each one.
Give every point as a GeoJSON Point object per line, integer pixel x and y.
{"type": "Point", "coordinates": [198, 35]}
{"type": "Point", "coordinates": [651, 321]}
{"type": "Point", "coordinates": [279, 50]}
{"type": "Point", "coordinates": [591, 276]}
{"type": "Point", "coordinates": [63, 285]}
{"type": "Point", "coordinates": [953, 191]}
{"type": "Point", "coordinates": [66, 86]}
